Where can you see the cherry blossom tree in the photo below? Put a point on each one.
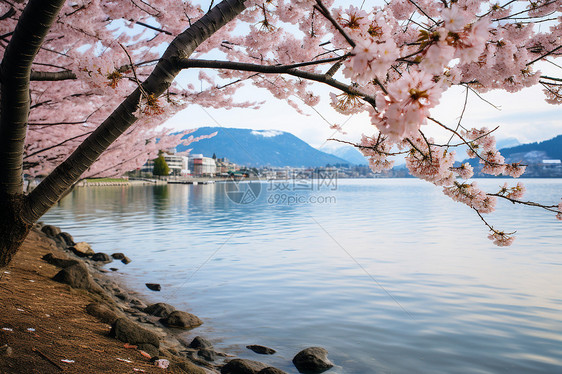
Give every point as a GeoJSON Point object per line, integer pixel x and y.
{"type": "Point", "coordinates": [88, 80]}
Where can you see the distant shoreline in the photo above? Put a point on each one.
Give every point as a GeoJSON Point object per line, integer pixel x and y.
{"type": "Point", "coordinates": [211, 180]}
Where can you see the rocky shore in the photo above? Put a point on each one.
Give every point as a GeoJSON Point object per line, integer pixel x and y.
{"type": "Point", "coordinates": [147, 338]}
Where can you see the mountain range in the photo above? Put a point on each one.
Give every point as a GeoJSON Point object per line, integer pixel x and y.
{"type": "Point", "coordinates": [535, 152]}
{"type": "Point", "coordinates": [530, 153]}
{"type": "Point", "coordinates": [257, 148]}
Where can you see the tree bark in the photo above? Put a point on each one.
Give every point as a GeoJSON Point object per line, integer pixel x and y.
{"type": "Point", "coordinates": [13, 229]}
{"type": "Point", "coordinates": [29, 34]}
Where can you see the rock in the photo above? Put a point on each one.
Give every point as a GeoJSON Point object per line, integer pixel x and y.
{"type": "Point", "coordinates": [126, 260]}
{"type": "Point", "coordinates": [207, 354]}
{"type": "Point", "coordinates": [261, 349]}
{"type": "Point", "coordinates": [138, 304]}
{"type": "Point", "coordinates": [185, 320]}
{"type": "Point", "coordinates": [191, 355]}
{"type": "Point", "coordinates": [6, 351]}
{"type": "Point", "coordinates": [82, 249]}
{"type": "Point", "coordinates": [185, 366]}
{"type": "Point", "coordinates": [312, 360]}
{"type": "Point", "coordinates": [65, 239]}
{"type": "Point", "coordinates": [102, 257]}
{"type": "Point", "coordinates": [118, 256]}
{"type": "Point", "coordinates": [242, 366]}
{"type": "Point", "coordinates": [159, 309]}
{"type": "Point", "coordinates": [102, 312]}
{"type": "Point", "coordinates": [130, 332]}
{"type": "Point", "coordinates": [50, 230]}
{"type": "Point", "coordinates": [113, 269]}
{"type": "Point", "coordinates": [59, 261]}
{"type": "Point", "coordinates": [122, 296]}
{"type": "Point", "coordinates": [77, 276]}
{"type": "Point", "coordinates": [271, 370]}
{"type": "Point", "coordinates": [153, 286]}
{"type": "Point", "coordinates": [200, 343]}
{"type": "Point", "coordinates": [147, 320]}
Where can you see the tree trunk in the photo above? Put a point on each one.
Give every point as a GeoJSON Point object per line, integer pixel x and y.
{"type": "Point", "coordinates": [13, 229]}
{"type": "Point", "coordinates": [18, 213]}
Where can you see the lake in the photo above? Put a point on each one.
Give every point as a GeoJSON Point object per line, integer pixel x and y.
{"type": "Point", "coordinates": [389, 275]}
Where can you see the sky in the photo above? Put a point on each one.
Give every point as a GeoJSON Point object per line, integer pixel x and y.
{"type": "Point", "coordinates": [524, 115]}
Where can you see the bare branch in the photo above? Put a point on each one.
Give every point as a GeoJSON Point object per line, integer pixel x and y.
{"type": "Point", "coordinates": [152, 27]}
{"type": "Point", "coordinates": [279, 69]}
{"type": "Point", "coordinates": [550, 208]}
{"type": "Point", "coordinates": [545, 55]}
{"type": "Point", "coordinates": [52, 76]}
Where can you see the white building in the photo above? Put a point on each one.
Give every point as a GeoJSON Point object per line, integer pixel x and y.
{"type": "Point", "coordinates": [202, 166]}
{"type": "Point", "coordinates": [179, 165]}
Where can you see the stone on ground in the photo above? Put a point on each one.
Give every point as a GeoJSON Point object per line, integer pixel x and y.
{"type": "Point", "coordinates": [242, 366]}
{"type": "Point", "coordinates": [159, 309]}
{"type": "Point", "coordinates": [185, 320]}
{"type": "Point", "coordinates": [77, 276]}
{"type": "Point", "coordinates": [101, 257]}
{"type": "Point", "coordinates": [200, 343]}
{"type": "Point", "coordinates": [59, 260]}
{"type": "Point", "coordinates": [130, 332]}
{"type": "Point", "coordinates": [82, 249]}
{"type": "Point", "coordinates": [50, 230]}
{"type": "Point", "coordinates": [102, 312]}
{"type": "Point", "coordinates": [261, 349]}
{"type": "Point", "coordinates": [312, 360]}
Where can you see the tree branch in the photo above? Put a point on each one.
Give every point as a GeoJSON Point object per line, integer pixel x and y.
{"type": "Point", "coordinates": [52, 76]}
{"type": "Point", "coordinates": [152, 27]}
{"type": "Point", "coordinates": [278, 69]}
{"type": "Point", "coordinates": [544, 55]}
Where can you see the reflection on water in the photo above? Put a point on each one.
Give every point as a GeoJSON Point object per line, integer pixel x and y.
{"type": "Point", "coordinates": [390, 276]}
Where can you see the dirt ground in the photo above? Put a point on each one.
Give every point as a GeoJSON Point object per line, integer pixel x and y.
{"type": "Point", "coordinates": [44, 322]}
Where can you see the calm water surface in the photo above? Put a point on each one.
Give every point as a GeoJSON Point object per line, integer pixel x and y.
{"type": "Point", "coordinates": [388, 274]}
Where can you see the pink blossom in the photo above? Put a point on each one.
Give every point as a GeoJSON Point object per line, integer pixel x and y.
{"type": "Point", "coordinates": [376, 150]}
{"type": "Point", "coordinates": [515, 193]}
{"type": "Point", "coordinates": [471, 195]}
{"type": "Point", "coordinates": [454, 19]}
{"type": "Point", "coordinates": [515, 170]}
{"type": "Point", "coordinates": [465, 171]}
{"type": "Point", "coordinates": [493, 162]}
{"type": "Point", "coordinates": [501, 239]}
{"type": "Point", "coordinates": [437, 57]}
{"type": "Point", "coordinates": [407, 105]}
{"type": "Point", "coordinates": [370, 60]}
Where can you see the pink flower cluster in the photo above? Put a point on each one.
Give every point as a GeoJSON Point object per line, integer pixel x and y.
{"type": "Point", "coordinates": [376, 150]}
{"type": "Point", "coordinates": [465, 171]}
{"type": "Point", "coordinates": [471, 195]}
{"type": "Point", "coordinates": [514, 193]}
{"type": "Point", "coordinates": [501, 239]}
{"type": "Point", "coordinates": [482, 144]}
{"type": "Point", "coordinates": [371, 59]}
{"type": "Point", "coordinates": [406, 106]}
{"type": "Point", "coordinates": [429, 162]}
